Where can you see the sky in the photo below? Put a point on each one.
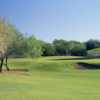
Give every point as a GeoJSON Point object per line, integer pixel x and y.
{"type": "Point", "coordinates": [54, 19]}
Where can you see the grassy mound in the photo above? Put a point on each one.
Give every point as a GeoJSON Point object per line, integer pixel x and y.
{"type": "Point", "coordinates": [94, 52]}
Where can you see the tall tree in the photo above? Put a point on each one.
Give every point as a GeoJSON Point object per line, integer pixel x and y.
{"type": "Point", "coordinates": [6, 40]}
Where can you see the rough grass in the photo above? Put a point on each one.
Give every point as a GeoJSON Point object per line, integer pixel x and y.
{"type": "Point", "coordinates": [50, 78]}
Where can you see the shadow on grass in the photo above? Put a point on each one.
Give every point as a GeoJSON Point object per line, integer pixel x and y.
{"type": "Point", "coordinates": [17, 70]}
{"type": "Point", "coordinates": [82, 58]}
{"type": "Point", "coordinates": [21, 70]}
{"type": "Point", "coordinates": [82, 65]}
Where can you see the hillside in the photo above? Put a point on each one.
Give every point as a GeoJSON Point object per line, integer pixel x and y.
{"type": "Point", "coordinates": [96, 50]}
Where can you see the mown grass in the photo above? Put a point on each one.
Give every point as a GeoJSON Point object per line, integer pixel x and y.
{"type": "Point", "coordinates": [50, 78]}
{"type": "Point", "coordinates": [96, 50]}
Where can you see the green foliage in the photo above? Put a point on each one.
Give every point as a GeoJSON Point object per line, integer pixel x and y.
{"type": "Point", "coordinates": [69, 48]}
{"type": "Point", "coordinates": [61, 47]}
{"type": "Point", "coordinates": [48, 49]}
{"type": "Point", "coordinates": [91, 44]}
{"type": "Point", "coordinates": [34, 47]}
{"type": "Point", "coordinates": [16, 44]}
{"type": "Point", "coordinates": [77, 48]}
{"type": "Point", "coordinates": [19, 46]}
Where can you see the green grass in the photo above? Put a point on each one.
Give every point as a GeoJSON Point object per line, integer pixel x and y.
{"type": "Point", "coordinates": [96, 50]}
{"type": "Point", "coordinates": [50, 78]}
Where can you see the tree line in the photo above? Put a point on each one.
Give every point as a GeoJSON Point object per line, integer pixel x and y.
{"type": "Point", "coordinates": [30, 46]}
{"type": "Point", "coordinates": [19, 45]}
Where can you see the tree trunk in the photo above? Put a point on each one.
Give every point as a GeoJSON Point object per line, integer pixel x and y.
{"type": "Point", "coordinates": [7, 63]}
{"type": "Point", "coordinates": [1, 64]}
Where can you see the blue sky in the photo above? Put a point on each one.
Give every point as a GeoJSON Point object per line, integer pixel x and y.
{"type": "Point", "coordinates": [50, 19]}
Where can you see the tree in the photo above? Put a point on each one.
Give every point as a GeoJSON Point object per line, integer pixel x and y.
{"type": "Point", "coordinates": [48, 49]}
{"type": "Point", "coordinates": [34, 47]}
{"type": "Point", "coordinates": [6, 39]}
{"type": "Point", "coordinates": [61, 47]}
{"type": "Point", "coordinates": [91, 44]}
{"type": "Point", "coordinates": [19, 45]}
{"type": "Point", "coordinates": [77, 48]}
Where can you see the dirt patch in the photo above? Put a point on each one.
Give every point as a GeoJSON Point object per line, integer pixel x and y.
{"type": "Point", "coordinates": [77, 66]}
